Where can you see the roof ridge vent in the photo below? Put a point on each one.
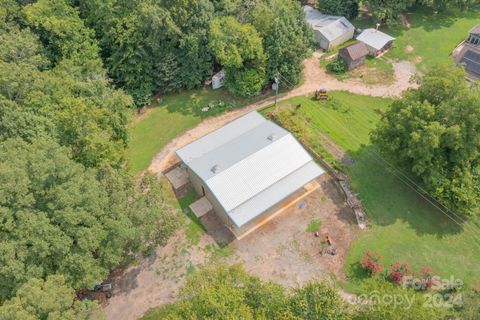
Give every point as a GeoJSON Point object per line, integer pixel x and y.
{"type": "Point", "coordinates": [272, 137]}
{"type": "Point", "coordinates": [215, 168]}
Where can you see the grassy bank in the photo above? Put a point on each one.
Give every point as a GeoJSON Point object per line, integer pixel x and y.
{"type": "Point", "coordinates": [404, 227]}
{"type": "Point", "coordinates": [431, 36]}
{"type": "Point", "coordinates": [171, 116]}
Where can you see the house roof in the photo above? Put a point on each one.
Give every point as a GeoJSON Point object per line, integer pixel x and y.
{"type": "Point", "coordinates": [330, 26]}
{"type": "Point", "coordinates": [475, 30]}
{"type": "Point", "coordinates": [470, 58]}
{"type": "Point", "coordinates": [374, 38]}
{"type": "Point", "coordinates": [250, 165]}
{"type": "Point", "coordinates": [355, 51]}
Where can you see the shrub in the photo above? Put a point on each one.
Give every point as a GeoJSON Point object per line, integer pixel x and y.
{"type": "Point", "coordinates": [424, 279]}
{"type": "Point", "coordinates": [371, 262]}
{"type": "Point", "coordinates": [337, 67]}
{"type": "Point", "coordinates": [398, 271]}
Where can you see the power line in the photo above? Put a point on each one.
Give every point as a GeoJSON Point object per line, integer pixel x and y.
{"type": "Point", "coordinates": [424, 194]}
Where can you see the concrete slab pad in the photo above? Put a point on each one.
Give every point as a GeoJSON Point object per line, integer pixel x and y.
{"type": "Point", "coordinates": [178, 177]}
{"type": "Point", "coordinates": [201, 207]}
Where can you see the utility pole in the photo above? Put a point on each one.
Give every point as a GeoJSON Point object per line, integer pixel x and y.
{"type": "Point", "coordinates": [277, 81]}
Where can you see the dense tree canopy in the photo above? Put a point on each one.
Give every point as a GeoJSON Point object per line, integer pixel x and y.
{"type": "Point", "coordinates": [47, 299]}
{"type": "Point", "coordinates": [287, 38]}
{"type": "Point", "coordinates": [60, 91]}
{"type": "Point", "coordinates": [231, 293]}
{"type": "Point", "coordinates": [239, 48]}
{"type": "Point", "coordinates": [433, 132]}
{"type": "Point", "coordinates": [385, 10]}
{"type": "Point", "coordinates": [346, 8]}
{"type": "Point", "coordinates": [60, 218]}
{"type": "Point", "coordinates": [164, 45]}
{"type": "Point", "coordinates": [66, 37]}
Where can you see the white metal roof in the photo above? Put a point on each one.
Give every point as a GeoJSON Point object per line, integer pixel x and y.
{"type": "Point", "coordinates": [249, 165]}
{"type": "Point", "coordinates": [275, 193]}
{"type": "Point", "coordinates": [331, 27]}
{"type": "Point", "coordinates": [374, 38]}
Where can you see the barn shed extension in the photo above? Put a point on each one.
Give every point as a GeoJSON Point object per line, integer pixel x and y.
{"type": "Point", "coordinates": [329, 31]}
{"type": "Point", "coordinates": [247, 170]}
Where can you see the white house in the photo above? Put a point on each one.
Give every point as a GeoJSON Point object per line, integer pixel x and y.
{"type": "Point", "coordinates": [247, 170]}
{"type": "Point", "coordinates": [329, 31]}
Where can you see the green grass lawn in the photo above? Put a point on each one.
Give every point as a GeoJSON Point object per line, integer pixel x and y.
{"type": "Point", "coordinates": [175, 114]}
{"type": "Point", "coordinates": [404, 227]}
{"type": "Point", "coordinates": [432, 36]}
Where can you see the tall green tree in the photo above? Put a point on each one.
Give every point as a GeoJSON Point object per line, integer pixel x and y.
{"type": "Point", "coordinates": [64, 34]}
{"type": "Point", "coordinates": [83, 112]}
{"type": "Point", "coordinates": [47, 299]}
{"type": "Point", "coordinates": [239, 48]}
{"type": "Point", "coordinates": [288, 38]}
{"type": "Point", "coordinates": [345, 8]}
{"type": "Point", "coordinates": [143, 56]}
{"type": "Point", "coordinates": [60, 218]}
{"type": "Point", "coordinates": [194, 56]}
{"type": "Point", "coordinates": [433, 133]}
{"type": "Point", "coordinates": [385, 10]}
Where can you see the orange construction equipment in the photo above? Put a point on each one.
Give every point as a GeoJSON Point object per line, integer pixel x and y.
{"type": "Point", "coordinates": [328, 240]}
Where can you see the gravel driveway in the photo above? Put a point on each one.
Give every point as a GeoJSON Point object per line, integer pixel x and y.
{"type": "Point", "coordinates": [315, 77]}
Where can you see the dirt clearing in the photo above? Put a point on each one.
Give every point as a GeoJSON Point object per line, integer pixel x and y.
{"type": "Point", "coordinates": [281, 250]}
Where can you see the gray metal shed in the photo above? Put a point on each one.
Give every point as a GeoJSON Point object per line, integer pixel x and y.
{"type": "Point", "coordinates": [376, 41]}
{"type": "Point", "coordinates": [246, 168]}
{"type": "Point", "coordinates": [329, 31]}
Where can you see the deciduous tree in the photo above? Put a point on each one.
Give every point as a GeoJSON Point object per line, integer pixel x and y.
{"type": "Point", "coordinates": [60, 218]}
{"type": "Point", "coordinates": [346, 8]}
{"type": "Point", "coordinates": [433, 133]}
{"type": "Point", "coordinates": [239, 48]}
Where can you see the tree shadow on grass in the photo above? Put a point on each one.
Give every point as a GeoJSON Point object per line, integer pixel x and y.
{"type": "Point", "coordinates": [387, 198]}
{"type": "Point", "coordinates": [204, 103]}
{"type": "Point", "coordinates": [419, 17]}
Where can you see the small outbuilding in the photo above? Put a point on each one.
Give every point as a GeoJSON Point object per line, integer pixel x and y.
{"type": "Point", "coordinates": [329, 31]}
{"type": "Point", "coordinates": [376, 41]}
{"type": "Point", "coordinates": [354, 55]}
{"type": "Point", "coordinates": [248, 171]}
{"type": "Point", "coordinates": [218, 79]}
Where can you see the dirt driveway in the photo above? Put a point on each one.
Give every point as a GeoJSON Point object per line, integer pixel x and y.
{"type": "Point", "coordinates": [281, 250]}
{"type": "Point", "coordinates": [315, 77]}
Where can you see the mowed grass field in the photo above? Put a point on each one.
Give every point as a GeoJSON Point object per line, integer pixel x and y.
{"type": "Point", "coordinates": [431, 36]}
{"type": "Point", "coordinates": [168, 118]}
{"type": "Point", "coordinates": [403, 226]}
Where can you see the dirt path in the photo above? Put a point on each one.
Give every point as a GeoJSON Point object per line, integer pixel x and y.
{"type": "Point", "coordinates": [315, 78]}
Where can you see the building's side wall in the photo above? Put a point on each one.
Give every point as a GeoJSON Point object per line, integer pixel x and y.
{"type": "Point", "coordinates": [266, 214]}
{"type": "Point", "coordinates": [356, 63]}
{"type": "Point", "coordinates": [324, 43]}
{"type": "Point", "coordinates": [220, 212]}
{"type": "Point", "coordinates": [217, 207]}
{"type": "Point", "coordinates": [372, 50]}
{"type": "Point", "coordinates": [342, 38]}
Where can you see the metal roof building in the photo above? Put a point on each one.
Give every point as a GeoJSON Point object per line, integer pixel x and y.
{"type": "Point", "coordinates": [330, 31]}
{"type": "Point", "coordinates": [247, 167]}
{"type": "Point", "coordinates": [469, 56]}
{"type": "Point", "coordinates": [376, 41]}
